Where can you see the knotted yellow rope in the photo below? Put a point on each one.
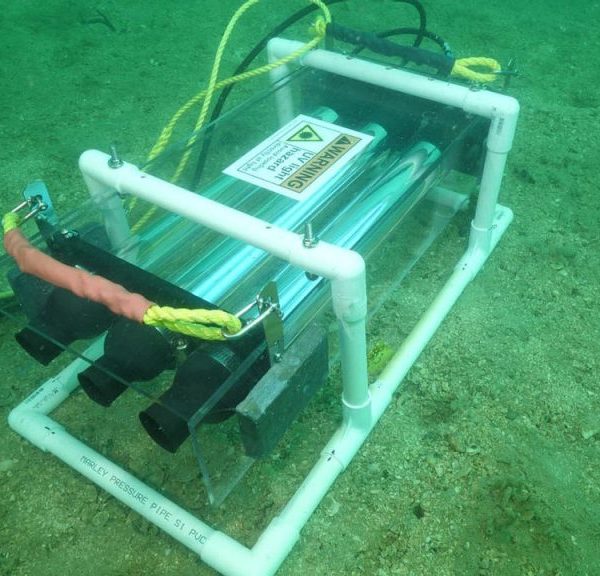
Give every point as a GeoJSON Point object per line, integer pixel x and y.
{"type": "Point", "coordinates": [10, 221]}
{"type": "Point", "coordinates": [463, 68]}
{"type": "Point", "coordinates": [200, 323]}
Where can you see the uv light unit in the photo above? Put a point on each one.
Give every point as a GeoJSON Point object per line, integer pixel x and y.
{"type": "Point", "coordinates": [290, 204]}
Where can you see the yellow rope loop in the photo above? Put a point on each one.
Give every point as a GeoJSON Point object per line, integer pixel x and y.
{"type": "Point", "coordinates": [463, 69]}
{"type": "Point", "coordinates": [200, 323]}
{"type": "Point", "coordinates": [167, 132]}
{"type": "Point", "coordinates": [10, 221]}
{"type": "Point", "coordinates": [319, 28]}
{"type": "Point", "coordinates": [207, 94]}
{"type": "Point", "coordinates": [319, 31]}
{"type": "Point", "coordinates": [324, 8]}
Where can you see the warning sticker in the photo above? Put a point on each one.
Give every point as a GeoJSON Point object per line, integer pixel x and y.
{"type": "Point", "coordinates": [306, 134]}
{"type": "Point", "coordinates": [300, 157]}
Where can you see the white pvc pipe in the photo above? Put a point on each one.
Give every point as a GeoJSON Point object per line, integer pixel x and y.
{"type": "Point", "coordinates": [283, 95]}
{"type": "Point", "coordinates": [114, 217]}
{"type": "Point", "coordinates": [502, 110]}
{"type": "Point", "coordinates": [466, 269]}
{"type": "Point", "coordinates": [284, 530]}
{"type": "Point", "coordinates": [30, 420]}
{"type": "Point", "coordinates": [489, 189]}
{"type": "Point", "coordinates": [324, 259]}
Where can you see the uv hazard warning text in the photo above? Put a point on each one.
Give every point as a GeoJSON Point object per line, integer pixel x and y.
{"type": "Point", "coordinates": [300, 157]}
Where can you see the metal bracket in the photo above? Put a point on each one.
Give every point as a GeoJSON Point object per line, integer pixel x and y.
{"type": "Point", "coordinates": [270, 316]}
{"type": "Point", "coordinates": [37, 198]}
{"type": "Point", "coordinates": [508, 72]}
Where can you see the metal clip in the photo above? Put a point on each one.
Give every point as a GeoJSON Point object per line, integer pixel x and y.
{"type": "Point", "coordinates": [264, 308]}
{"type": "Point", "coordinates": [271, 318]}
{"type": "Point", "coordinates": [38, 199]}
{"type": "Point", "coordinates": [35, 204]}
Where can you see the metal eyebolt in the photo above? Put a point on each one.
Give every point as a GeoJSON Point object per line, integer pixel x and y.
{"type": "Point", "coordinates": [114, 161]}
{"type": "Point", "coordinates": [271, 307]}
{"type": "Point", "coordinates": [35, 205]}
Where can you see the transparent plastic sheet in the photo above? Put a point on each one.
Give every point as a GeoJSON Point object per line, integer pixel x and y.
{"type": "Point", "coordinates": [395, 192]}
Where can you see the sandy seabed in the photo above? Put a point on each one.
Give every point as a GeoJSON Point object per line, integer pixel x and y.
{"type": "Point", "coordinates": [486, 463]}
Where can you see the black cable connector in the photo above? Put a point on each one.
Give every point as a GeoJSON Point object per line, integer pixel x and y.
{"type": "Point", "coordinates": [440, 62]}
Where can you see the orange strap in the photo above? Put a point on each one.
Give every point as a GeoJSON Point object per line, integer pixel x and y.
{"type": "Point", "coordinates": [96, 288]}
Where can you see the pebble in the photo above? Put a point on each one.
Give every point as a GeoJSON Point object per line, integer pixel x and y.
{"type": "Point", "coordinates": [100, 518]}
{"type": "Point", "coordinates": [7, 397]}
{"type": "Point", "coordinates": [590, 425]}
{"type": "Point", "coordinates": [333, 508]}
{"type": "Point", "coordinates": [588, 433]}
{"type": "Point", "coordinates": [89, 493]}
{"type": "Point", "coordinates": [6, 465]}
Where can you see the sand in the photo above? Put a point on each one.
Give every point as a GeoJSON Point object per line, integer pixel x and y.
{"type": "Point", "coordinates": [486, 463]}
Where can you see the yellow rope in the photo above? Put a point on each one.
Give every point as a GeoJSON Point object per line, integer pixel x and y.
{"type": "Point", "coordinates": [200, 323]}
{"type": "Point", "coordinates": [319, 30]}
{"type": "Point", "coordinates": [212, 82]}
{"type": "Point", "coordinates": [10, 221]}
{"type": "Point", "coordinates": [463, 69]}
{"type": "Point", "coordinates": [167, 132]}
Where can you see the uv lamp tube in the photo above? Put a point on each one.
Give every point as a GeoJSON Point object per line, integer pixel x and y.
{"type": "Point", "coordinates": [228, 263]}
{"type": "Point", "coordinates": [162, 239]}
{"type": "Point", "coordinates": [381, 194]}
{"type": "Point", "coordinates": [414, 175]}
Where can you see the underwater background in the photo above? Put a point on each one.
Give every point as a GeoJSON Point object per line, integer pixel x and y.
{"type": "Point", "coordinates": [487, 462]}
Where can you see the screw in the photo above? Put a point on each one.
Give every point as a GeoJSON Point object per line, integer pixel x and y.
{"type": "Point", "coordinates": [180, 344]}
{"type": "Point", "coordinates": [68, 234]}
{"type": "Point", "coordinates": [114, 161]}
{"type": "Point", "coordinates": [309, 240]}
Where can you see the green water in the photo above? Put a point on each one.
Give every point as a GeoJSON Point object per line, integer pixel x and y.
{"type": "Point", "coordinates": [486, 462]}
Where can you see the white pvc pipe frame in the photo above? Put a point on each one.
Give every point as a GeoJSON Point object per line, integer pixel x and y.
{"type": "Point", "coordinates": [362, 404]}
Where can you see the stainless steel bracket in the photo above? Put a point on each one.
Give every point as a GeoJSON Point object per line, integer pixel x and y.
{"type": "Point", "coordinates": [37, 199]}
{"type": "Point", "coordinates": [271, 318]}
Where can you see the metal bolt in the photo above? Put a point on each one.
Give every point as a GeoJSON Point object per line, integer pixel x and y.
{"type": "Point", "coordinates": [114, 161]}
{"type": "Point", "coordinates": [68, 234]}
{"type": "Point", "coordinates": [309, 240]}
{"type": "Point", "coordinates": [180, 344]}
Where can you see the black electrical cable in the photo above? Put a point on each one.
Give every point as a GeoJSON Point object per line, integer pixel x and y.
{"type": "Point", "coordinates": [427, 34]}
{"type": "Point", "coordinates": [293, 19]}
{"type": "Point", "coordinates": [421, 32]}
